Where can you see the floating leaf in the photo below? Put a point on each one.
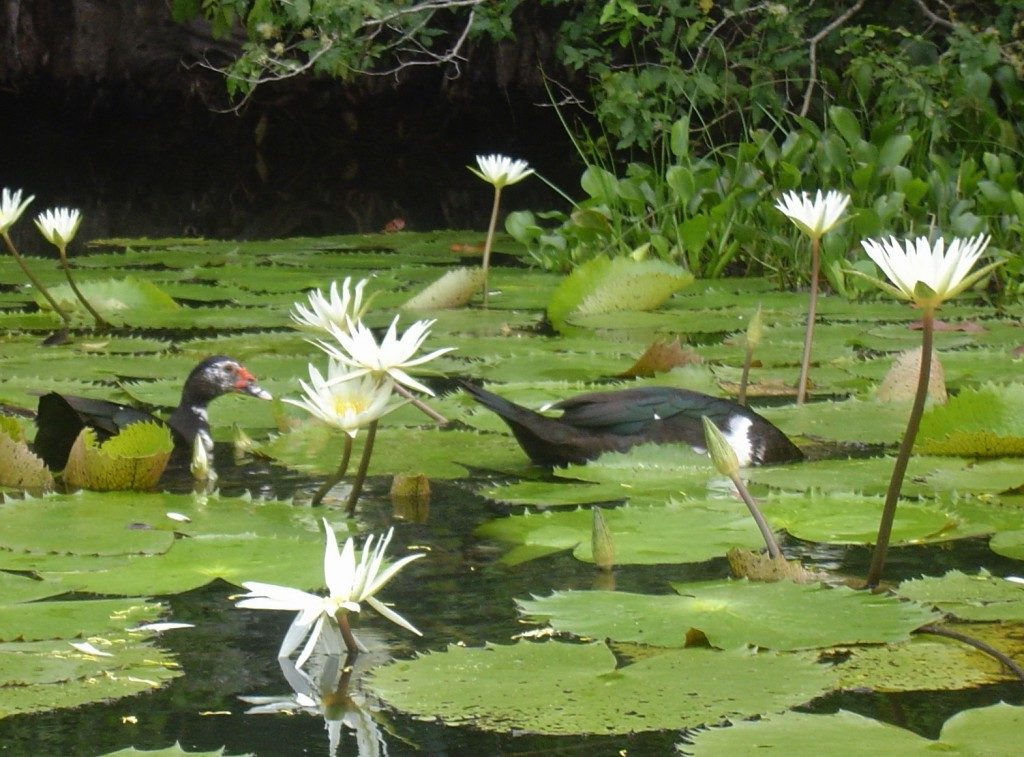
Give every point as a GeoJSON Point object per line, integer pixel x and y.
{"type": "Point", "coordinates": [37, 676]}
{"type": "Point", "coordinates": [991, 730]}
{"type": "Point", "coordinates": [978, 597]}
{"type": "Point", "coordinates": [114, 299]}
{"type": "Point", "coordinates": [983, 422]}
{"type": "Point", "coordinates": [673, 533]}
{"type": "Point", "coordinates": [603, 285]}
{"type": "Point", "coordinates": [900, 383]}
{"type": "Point", "coordinates": [20, 468]}
{"type": "Point", "coordinates": [133, 459]}
{"type": "Point", "coordinates": [783, 616]}
{"type": "Point", "coordinates": [453, 290]}
{"type": "Point", "coordinates": [588, 693]}
{"type": "Point", "coordinates": [65, 619]}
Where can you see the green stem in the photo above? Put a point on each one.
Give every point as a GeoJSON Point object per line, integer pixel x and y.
{"type": "Point", "coordinates": [101, 323]}
{"type": "Point", "coordinates": [812, 307]}
{"type": "Point", "coordinates": [36, 282]}
{"type": "Point", "coordinates": [364, 465]}
{"type": "Point", "coordinates": [766, 532]}
{"type": "Point", "coordinates": [741, 396]}
{"type": "Point", "coordinates": [899, 469]}
{"type": "Point", "coordinates": [339, 474]}
{"type": "Point", "coordinates": [490, 239]}
{"type": "Point", "coordinates": [421, 405]}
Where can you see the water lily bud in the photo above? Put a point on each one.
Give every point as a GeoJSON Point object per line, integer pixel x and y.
{"type": "Point", "coordinates": [200, 467]}
{"type": "Point", "coordinates": [601, 544]}
{"type": "Point", "coordinates": [721, 452]}
{"type": "Point", "coordinates": [755, 329]}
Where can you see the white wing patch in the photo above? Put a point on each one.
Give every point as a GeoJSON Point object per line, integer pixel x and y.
{"type": "Point", "coordinates": [737, 433]}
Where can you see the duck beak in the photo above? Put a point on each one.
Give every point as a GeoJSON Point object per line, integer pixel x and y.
{"type": "Point", "coordinates": [247, 384]}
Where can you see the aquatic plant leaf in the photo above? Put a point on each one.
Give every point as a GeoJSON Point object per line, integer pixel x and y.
{"type": "Point", "coordinates": [661, 357]}
{"type": "Point", "coordinates": [171, 751]}
{"type": "Point", "coordinates": [644, 535]}
{"type": "Point", "coordinates": [454, 289]}
{"type": "Point", "coordinates": [925, 475]}
{"type": "Point", "coordinates": [586, 693]}
{"type": "Point", "coordinates": [783, 616]}
{"type": "Point", "coordinates": [846, 518]}
{"type": "Point", "coordinates": [20, 468]}
{"type": "Point", "coordinates": [925, 663]}
{"type": "Point", "coordinates": [797, 734]}
{"type": "Point", "coordinates": [1009, 544]}
{"type": "Point", "coordinates": [133, 459]}
{"type": "Point", "coordinates": [968, 597]}
{"type": "Point", "coordinates": [435, 453]}
{"type": "Point", "coordinates": [603, 285]}
{"type": "Point", "coordinates": [66, 619]}
{"type": "Point", "coordinates": [15, 588]}
{"type": "Point", "coordinates": [55, 525]}
{"type": "Point", "coordinates": [987, 421]}
{"type": "Point", "coordinates": [852, 420]}
{"type": "Point", "coordinates": [115, 299]}
{"type": "Point", "coordinates": [900, 383]}
{"type": "Point", "coordinates": [37, 676]}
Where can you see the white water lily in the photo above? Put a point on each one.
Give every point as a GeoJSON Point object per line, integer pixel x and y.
{"type": "Point", "coordinates": [11, 208]}
{"type": "Point", "coordinates": [342, 401]}
{"type": "Point", "coordinates": [814, 216]}
{"type": "Point", "coordinates": [349, 583]}
{"type": "Point", "coordinates": [59, 225]}
{"type": "Point", "coordinates": [389, 359]}
{"type": "Point", "coordinates": [500, 170]}
{"type": "Point", "coordinates": [334, 309]}
{"type": "Point", "coordinates": [928, 274]}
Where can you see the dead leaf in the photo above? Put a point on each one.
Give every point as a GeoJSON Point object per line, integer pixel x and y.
{"type": "Point", "coordinates": [662, 357]}
{"type": "Point", "coordinates": [900, 383]}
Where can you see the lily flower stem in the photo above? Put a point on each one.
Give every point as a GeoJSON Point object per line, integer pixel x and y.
{"type": "Point", "coordinates": [490, 239]}
{"type": "Point", "coordinates": [899, 469]}
{"type": "Point", "coordinates": [101, 322]}
{"type": "Point", "coordinates": [339, 474]}
{"type": "Point", "coordinates": [364, 465]}
{"type": "Point", "coordinates": [36, 282]}
{"type": "Point", "coordinates": [346, 633]}
{"type": "Point", "coordinates": [421, 405]}
{"type": "Point", "coordinates": [741, 396]}
{"type": "Point", "coordinates": [766, 532]}
{"type": "Point", "coordinates": [812, 307]}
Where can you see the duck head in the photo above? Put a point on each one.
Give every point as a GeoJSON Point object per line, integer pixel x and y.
{"type": "Point", "coordinates": [219, 375]}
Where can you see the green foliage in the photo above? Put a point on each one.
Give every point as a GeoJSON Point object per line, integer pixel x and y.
{"type": "Point", "coordinates": [133, 459]}
{"type": "Point", "coordinates": [580, 689]}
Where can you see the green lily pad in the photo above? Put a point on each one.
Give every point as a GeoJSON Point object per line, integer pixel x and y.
{"type": "Point", "coordinates": [852, 421]}
{"type": "Point", "coordinates": [983, 422]}
{"type": "Point", "coordinates": [925, 663]}
{"type": "Point", "coordinates": [38, 676]}
{"type": "Point", "coordinates": [20, 468]}
{"type": "Point", "coordinates": [978, 597]}
{"type": "Point", "coordinates": [171, 751]}
{"type": "Point", "coordinates": [991, 730]}
{"type": "Point", "coordinates": [845, 518]}
{"type": "Point", "coordinates": [66, 619]}
{"type": "Point", "coordinates": [133, 459]}
{"type": "Point", "coordinates": [676, 689]}
{"type": "Point", "coordinates": [116, 300]}
{"type": "Point", "coordinates": [783, 616]}
{"type": "Point", "coordinates": [678, 532]}
{"type": "Point", "coordinates": [605, 285]}
{"type": "Point", "coordinates": [437, 453]}
{"type": "Point", "coordinates": [1009, 544]}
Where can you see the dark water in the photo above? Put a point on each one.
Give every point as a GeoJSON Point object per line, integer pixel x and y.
{"type": "Point", "coordinates": [459, 593]}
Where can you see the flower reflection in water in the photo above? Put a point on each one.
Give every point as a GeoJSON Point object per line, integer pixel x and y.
{"type": "Point", "coordinates": [322, 688]}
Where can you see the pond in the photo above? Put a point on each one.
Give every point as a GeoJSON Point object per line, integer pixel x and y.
{"type": "Point", "coordinates": [492, 572]}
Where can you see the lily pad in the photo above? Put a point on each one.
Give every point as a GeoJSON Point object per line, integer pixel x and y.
{"type": "Point", "coordinates": [133, 459]}
{"type": "Point", "coordinates": [20, 468]}
{"type": "Point", "coordinates": [978, 597]}
{"type": "Point", "coordinates": [64, 619]}
{"type": "Point", "coordinates": [991, 730]}
{"type": "Point", "coordinates": [983, 422]}
{"type": "Point", "coordinates": [678, 532]}
{"type": "Point", "coordinates": [588, 693]}
{"type": "Point", "coordinates": [783, 616]}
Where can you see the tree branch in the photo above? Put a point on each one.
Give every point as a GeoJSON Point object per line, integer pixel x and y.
{"type": "Point", "coordinates": [812, 76]}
